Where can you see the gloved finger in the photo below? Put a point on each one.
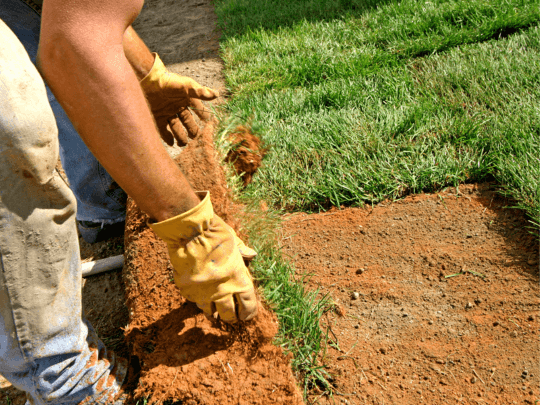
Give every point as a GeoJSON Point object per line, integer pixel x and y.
{"type": "Point", "coordinates": [189, 122]}
{"type": "Point", "coordinates": [189, 87]}
{"type": "Point", "coordinates": [164, 131]}
{"type": "Point", "coordinates": [226, 308]}
{"type": "Point", "coordinates": [246, 252]}
{"type": "Point", "coordinates": [200, 109]}
{"type": "Point", "coordinates": [178, 131]}
{"type": "Point", "coordinates": [247, 305]}
{"type": "Point", "coordinates": [207, 307]}
{"type": "Point", "coordinates": [195, 90]}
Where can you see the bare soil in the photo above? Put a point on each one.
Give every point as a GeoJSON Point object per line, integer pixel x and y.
{"type": "Point", "coordinates": [436, 299]}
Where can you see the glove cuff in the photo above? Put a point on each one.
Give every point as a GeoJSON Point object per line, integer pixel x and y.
{"type": "Point", "coordinates": [188, 225]}
{"type": "Point", "coordinates": [151, 82]}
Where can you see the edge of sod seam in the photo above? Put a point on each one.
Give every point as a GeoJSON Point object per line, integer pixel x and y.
{"type": "Point", "coordinates": [298, 310]}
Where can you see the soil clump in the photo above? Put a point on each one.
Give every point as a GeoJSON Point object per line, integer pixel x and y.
{"type": "Point", "coordinates": [246, 153]}
{"type": "Point", "coordinates": [435, 298]}
{"type": "Point", "coordinates": [199, 163]}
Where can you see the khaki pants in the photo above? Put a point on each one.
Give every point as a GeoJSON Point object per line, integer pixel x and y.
{"type": "Point", "coordinates": [46, 348]}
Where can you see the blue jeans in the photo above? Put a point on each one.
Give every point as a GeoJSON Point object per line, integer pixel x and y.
{"type": "Point", "coordinates": [99, 198]}
{"type": "Point", "coordinates": [47, 348]}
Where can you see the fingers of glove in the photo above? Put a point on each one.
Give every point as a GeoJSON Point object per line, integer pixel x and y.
{"type": "Point", "coordinates": [246, 252]}
{"type": "Point", "coordinates": [189, 122]}
{"type": "Point", "coordinates": [247, 305]}
{"type": "Point", "coordinates": [207, 307]}
{"type": "Point", "coordinates": [165, 133]}
{"type": "Point", "coordinates": [178, 131]}
{"type": "Point", "coordinates": [191, 87]}
{"type": "Point", "coordinates": [226, 308]}
{"type": "Point", "coordinates": [202, 112]}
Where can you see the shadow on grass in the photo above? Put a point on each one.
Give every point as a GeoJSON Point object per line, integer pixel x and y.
{"type": "Point", "coordinates": [246, 15]}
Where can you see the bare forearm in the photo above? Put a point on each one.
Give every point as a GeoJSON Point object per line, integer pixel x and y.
{"type": "Point", "coordinates": [97, 87]}
{"type": "Point", "coordinates": [137, 53]}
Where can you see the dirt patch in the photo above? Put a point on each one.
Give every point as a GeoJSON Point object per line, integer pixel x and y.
{"type": "Point", "coordinates": [9, 394]}
{"type": "Point", "coordinates": [183, 355]}
{"type": "Point", "coordinates": [436, 299]}
{"type": "Point", "coordinates": [246, 153]}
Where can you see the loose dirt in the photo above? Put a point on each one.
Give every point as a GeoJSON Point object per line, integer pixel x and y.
{"type": "Point", "coordinates": [199, 163]}
{"type": "Point", "coordinates": [183, 355]}
{"type": "Point", "coordinates": [435, 299]}
{"type": "Point", "coordinates": [246, 153]}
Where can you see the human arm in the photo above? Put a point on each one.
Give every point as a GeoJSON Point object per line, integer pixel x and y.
{"type": "Point", "coordinates": [137, 53]}
{"type": "Point", "coordinates": [81, 56]}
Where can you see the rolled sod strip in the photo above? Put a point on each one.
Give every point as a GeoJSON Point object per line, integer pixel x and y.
{"type": "Point", "coordinates": [183, 355]}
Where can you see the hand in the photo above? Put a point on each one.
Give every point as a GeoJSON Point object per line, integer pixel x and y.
{"type": "Point", "coordinates": [248, 254]}
{"type": "Point", "coordinates": [208, 266]}
{"type": "Point", "coordinates": [170, 96]}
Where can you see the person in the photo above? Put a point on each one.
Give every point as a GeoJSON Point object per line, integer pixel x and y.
{"type": "Point", "coordinates": [47, 348]}
{"type": "Point", "coordinates": [101, 203]}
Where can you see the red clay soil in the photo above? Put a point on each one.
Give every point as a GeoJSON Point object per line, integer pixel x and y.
{"type": "Point", "coordinates": [436, 299]}
{"type": "Point", "coordinates": [246, 153]}
{"type": "Point", "coordinates": [183, 355]}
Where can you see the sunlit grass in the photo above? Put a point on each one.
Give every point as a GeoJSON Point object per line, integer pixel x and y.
{"type": "Point", "coordinates": [408, 126]}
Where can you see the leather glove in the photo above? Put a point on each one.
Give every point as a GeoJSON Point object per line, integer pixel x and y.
{"type": "Point", "coordinates": [208, 267]}
{"type": "Point", "coordinates": [248, 254]}
{"type": "Point", "coordinates": [170, 96]}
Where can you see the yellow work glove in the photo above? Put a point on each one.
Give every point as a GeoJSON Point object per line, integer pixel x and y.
{"type": "Point", "coordinates": [170, 96]}
{"type": "Point", "coordinates": [208, 266]}
{"type": "Point", "coordinates": [247, 253]}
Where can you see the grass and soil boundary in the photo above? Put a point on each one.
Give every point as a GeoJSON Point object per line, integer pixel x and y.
{"type": "Point", "coordinates": [361, 102]}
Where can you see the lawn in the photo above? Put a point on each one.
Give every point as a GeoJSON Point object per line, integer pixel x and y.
{"type": "Point", "coordinates": [366, 101]}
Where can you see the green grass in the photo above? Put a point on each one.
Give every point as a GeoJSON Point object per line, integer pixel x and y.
{"type": "Point", "coordinates": [298, 310]}
{"type": "Point", "coordinates": [352, 120]}
{"type": "Point", "coordinates": [358, 41]}
{"type": "Point", "coordinates": [362, 101]}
